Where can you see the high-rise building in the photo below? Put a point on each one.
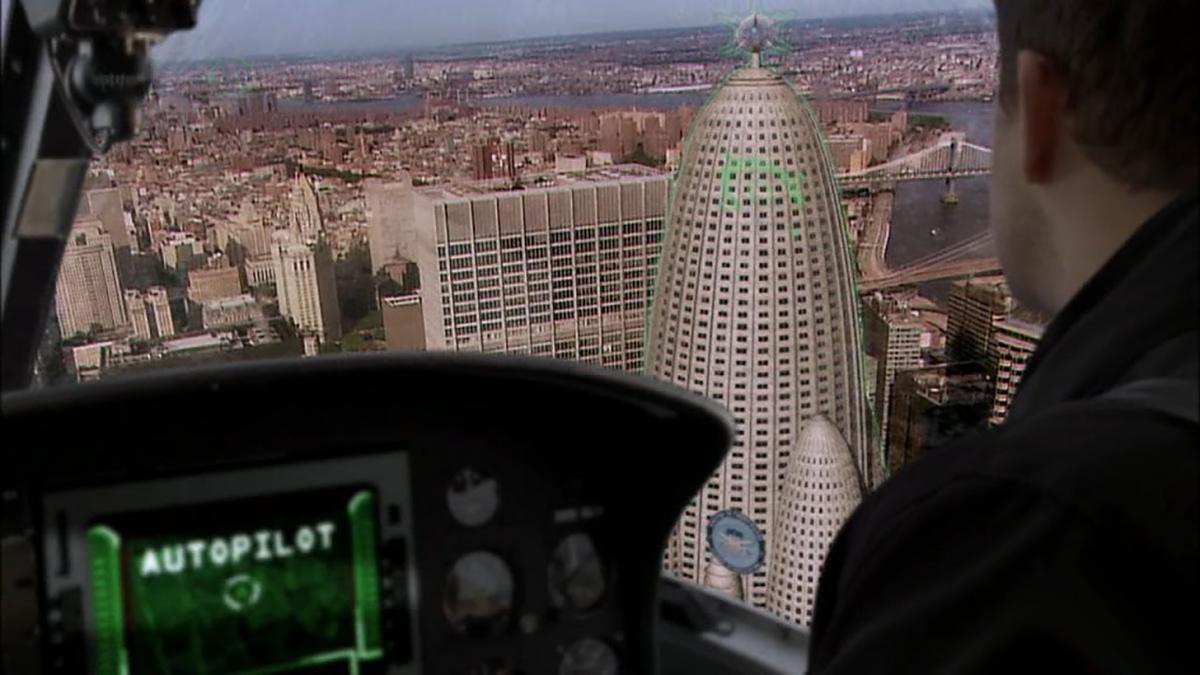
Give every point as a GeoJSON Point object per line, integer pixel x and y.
{"type": "Point", "coordinates": [819, 492]}
{"type": "Point", "coordinates": [562, 268]}
{"type": "Point", "coordinates": [389, 207]}
{"type": "Point", "coordinates": [973, 306]}
{"type": "Point", "coordinates": [893, 338]}
{"type": "Point", "coordinates": [135, 309]}
{"type": "Point", "coordinates": [305, 285]}
{"type": "Point", "coordinates": [88, 293]}
{"type": "Point", "coordinates": [1013, 343]}
{"type": "Point", "coordinates": [934, 405]}
{"type": "Point", "coordinates": [482, 161]}
{"type": "Point", "coordinates": [158, 307]}
{"type": "Point", "coordinates": [755, 308]}
{"type": "Point", "coordinates": [150, 313]}
{"type": "Point", "coordinates": [305, 211]}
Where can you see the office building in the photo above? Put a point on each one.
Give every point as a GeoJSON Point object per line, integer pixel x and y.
{"type": "Point", "coordinates": [135, 310]}
{"type": "Point", "coordinates": [304, 215]}
{"type": "Point", "coordinates": [1013, 343]}
{"type": "Point", "coordinates": [390, 216]}
{"type": "Point", "coordinates": [562, 268]}
{"type": "Point", "coordinates": [973, 306]}
{"type": "Point", "coordinates": [934, 405]}
{"type": "Point", "coordinates": [893, 338]}
{"type": "Point", "coordinates": [755, 309]}
{"type": "Point", "coordinates": [149, 313]}
{"type": "Point", "coordinates": [88, 293]}
{"type": "Point", "coordinates": [305, 286]}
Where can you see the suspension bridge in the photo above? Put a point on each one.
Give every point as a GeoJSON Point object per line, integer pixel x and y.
{"type": "Point", "coordinates": [952, 157]}
{"type": "Point", "coordinates": [968, 258]}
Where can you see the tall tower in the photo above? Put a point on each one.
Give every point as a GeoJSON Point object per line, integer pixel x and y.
{"type": "Point", "coordinates": [755, 305]}
{"type": "Point", "coordinates": [304, 280]}
{"type": "Point", "coordinates": [89, 292]}
{"type": "Point", "coordinates": [305, 210]}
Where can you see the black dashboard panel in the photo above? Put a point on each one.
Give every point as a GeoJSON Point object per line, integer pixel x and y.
{"type": "Point", "coordinates": [518, 509]}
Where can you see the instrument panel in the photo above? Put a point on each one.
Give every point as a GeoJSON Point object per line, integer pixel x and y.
{"type": "Point", "coordinates": [439, 514]}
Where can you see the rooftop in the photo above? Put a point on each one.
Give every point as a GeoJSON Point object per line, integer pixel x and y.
{"type": "Point", "coordinates": [541, 181]}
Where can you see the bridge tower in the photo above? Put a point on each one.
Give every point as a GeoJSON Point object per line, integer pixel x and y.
{"type": "Point", "coordinates": [949, 198]}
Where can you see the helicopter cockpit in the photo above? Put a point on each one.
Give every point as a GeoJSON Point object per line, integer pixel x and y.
{"type": "Point", "coordinates": [415, 513]}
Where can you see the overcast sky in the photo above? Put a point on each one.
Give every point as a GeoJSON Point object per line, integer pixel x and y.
{"type": "Point", "coordinates": [234, 28]}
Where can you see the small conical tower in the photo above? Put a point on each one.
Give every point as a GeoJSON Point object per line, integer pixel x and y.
{"type": "Point", "coordinates": [820, 490]}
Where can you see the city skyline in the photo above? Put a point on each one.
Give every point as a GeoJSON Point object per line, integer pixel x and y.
{"type": "Point", "coordinates": [272, 28]}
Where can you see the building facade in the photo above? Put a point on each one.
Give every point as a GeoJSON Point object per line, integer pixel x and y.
{"type": "Point", "coordinates": [755, 309]}
{"type": "Point", "coordinates": [305, 286]}
{"type": "Point", "coordinates": [973, 306]}
{"type": "Point", "coordinates": [88, 292]}
{"type": "Point", "coordinates": [562, 268]}
{"type": "Point", "coordinates": [1013, 344]}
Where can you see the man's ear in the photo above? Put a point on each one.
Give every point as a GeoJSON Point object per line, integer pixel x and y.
{"type": "Point", "coordinates": [1041, 111]}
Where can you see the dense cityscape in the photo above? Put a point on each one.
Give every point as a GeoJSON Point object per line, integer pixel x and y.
{"type": "Point", "coordinates": [564, 197]}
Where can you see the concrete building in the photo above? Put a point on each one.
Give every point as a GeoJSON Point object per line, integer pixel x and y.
{"type": "Point", "coordinates": [1012, 344]}
{"type": "Point", "coordinates": [893, 338]}
{"type": "Point", "coordinates": [214, 284]}
{"type": "Point", "coordinates": [241, 310]}
{"type": "Point", "coordinates": [305, 285]}
{"type": "Point", "coordinates": [389, 209]}
{"type": "Point", "coordinates": [403, 323]}
{"type": "Point", "coordinates": [149, 313]}
{"type": "Point", "coordinates": [88, 293]}
{"type": "Point", "coordinates": [755, 308]}
{"type": "Point", "coordinates": [304, 214]}
{"type": "Point", "coordinates": [562, 268]}
{"type": "Point", "coordinates": [819, 492]}
{"type": "Point", "coordinates": [260, 271]}
{"type": "Point", "coordinates": [933, 406]}
{"type": "Point", "coordinates": [973, 307]}
{"type": "Point", "coordinates": [135, 310]}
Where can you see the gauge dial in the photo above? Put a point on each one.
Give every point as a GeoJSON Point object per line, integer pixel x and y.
{"type": "Point", "coordinates": [479, 594]}
{"type": "Point", "coordinates": [472, 497]}
{"type": "Point", "coordinates": [589, 657]}
{"type": "Point", "coordinates": [736, 542]}
{"type": "Point", "coordinates": [576, 575]}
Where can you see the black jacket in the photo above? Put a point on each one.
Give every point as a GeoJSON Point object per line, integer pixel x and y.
{"type": "Point", "coordinates": [1064, 541]}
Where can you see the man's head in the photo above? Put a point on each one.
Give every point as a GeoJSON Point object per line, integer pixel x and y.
{"type": "Point", "coordinates": [1096, 126]}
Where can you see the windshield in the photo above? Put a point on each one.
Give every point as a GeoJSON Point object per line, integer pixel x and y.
{"type": "Point", "coordinates": [782, 209]}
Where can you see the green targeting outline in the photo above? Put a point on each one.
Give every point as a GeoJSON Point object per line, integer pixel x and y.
{"type": "Point", "coordinates": [734, 163]}
{"type": "Point", "coordinates": [112, 655]}
{"type": "Point", "coordinates": [779, 45]}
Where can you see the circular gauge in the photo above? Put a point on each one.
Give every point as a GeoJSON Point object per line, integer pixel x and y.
{"type": "Point", "coordinates": [588, 657]}
{"type": "Point", "coordinates": [472, 497]}
{"type": "Point", "coordinates": [479, 594]}
{"type": "Point", "coordinates": [736, 542]}
{"type": "Point", "coordinates": [576, 575]}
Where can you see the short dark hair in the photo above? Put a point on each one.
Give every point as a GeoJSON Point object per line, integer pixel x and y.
{"type": "Point", "coordinates": [1130, 68]}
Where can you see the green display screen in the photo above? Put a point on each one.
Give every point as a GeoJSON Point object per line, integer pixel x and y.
{"type": "Point", "coordinates": [268, 585]}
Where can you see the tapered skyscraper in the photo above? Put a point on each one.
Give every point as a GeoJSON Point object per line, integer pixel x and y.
{"type": "Point", "coordinates": [755, 306]}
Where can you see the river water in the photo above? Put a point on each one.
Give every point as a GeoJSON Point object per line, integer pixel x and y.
{"type": "Point", "coordinates": [921, 224]}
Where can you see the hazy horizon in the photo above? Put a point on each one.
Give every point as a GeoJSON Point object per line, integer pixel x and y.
{"type": "Point", "coordinates": [266, 28]}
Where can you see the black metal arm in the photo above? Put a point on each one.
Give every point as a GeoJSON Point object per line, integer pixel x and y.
{"type": "Point", "coordinates": [74, 75]}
